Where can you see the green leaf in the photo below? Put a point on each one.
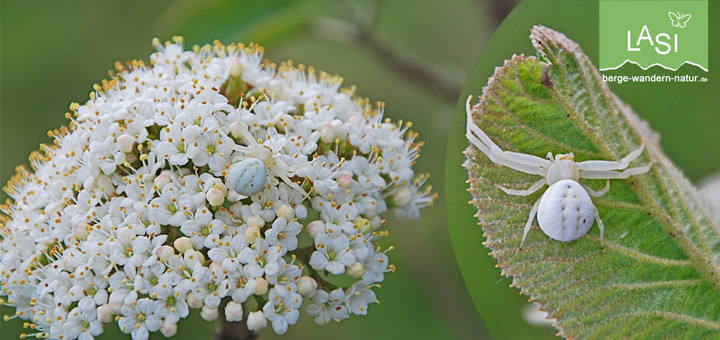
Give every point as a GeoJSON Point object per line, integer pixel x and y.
{"type": "Point", "coordinates": [658, 275]}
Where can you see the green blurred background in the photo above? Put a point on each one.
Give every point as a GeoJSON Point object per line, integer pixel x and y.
{"type": "Point", "coordinates": [52, 52]}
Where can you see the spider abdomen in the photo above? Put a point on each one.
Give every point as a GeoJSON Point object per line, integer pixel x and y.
{"type": "Point", "coordinates": [565, 212]}
{"type": "Point", "coordinates": [247, 177]}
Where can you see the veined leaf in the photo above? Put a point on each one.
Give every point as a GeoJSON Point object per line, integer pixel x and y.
{"type": "Point", "coordinates": [659, 273]}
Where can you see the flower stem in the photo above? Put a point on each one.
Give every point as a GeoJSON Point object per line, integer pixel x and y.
{"type": "Point", "coordinates": [227, 330]}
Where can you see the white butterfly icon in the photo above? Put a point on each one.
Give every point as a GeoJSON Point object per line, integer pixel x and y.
{"type": "Point", "coordinates": [679, 20]}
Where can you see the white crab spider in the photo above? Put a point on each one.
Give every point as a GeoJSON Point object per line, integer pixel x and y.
{"type": "Point", "coordinates": [260, 164]}
{"type": "Point", "coordinates": [565, 211]}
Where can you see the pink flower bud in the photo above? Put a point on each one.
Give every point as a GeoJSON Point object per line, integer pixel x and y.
{"type": "Point", "coordinates": [315, 228]}
{"type": "Point", "coordinates": [345, 179]}
{"type": "Point", "coordinates": [261, 286]}
{"type": "Point", "coordinates": [165, 252]}
{"type": "Point", "coordinates": [215, 197]}
{"type": "Point", "coordinates": [105, 313]}
{"type": "Point", "coordinates": [193, 302]}
{"type": "Point", "coordinates": [235, 67]}
{"type": "Point", "coordinates": [162, 180]}
{"type": "Point", "coordinates": [256, 321]}
{"type": "Point", "coordinates": [182, 244]}
{"type": "Point", "coordinates": [306, 286]}
{"type": "Point", "coordinates": [168, 329]}
{"type": "Point", "coordinates": [125, 143]}
{"type": "Point", "coordinates": [209, 313]}
{"type": "Point", "coordinates": [233, 311]}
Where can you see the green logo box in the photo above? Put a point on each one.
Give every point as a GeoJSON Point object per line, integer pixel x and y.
{"type": "Point", "coordinates": [658, 33]}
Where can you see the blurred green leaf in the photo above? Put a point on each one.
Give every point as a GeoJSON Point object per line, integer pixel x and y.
{"type": "Point", "coordinates": [659, 273]}
{"type": "Point", "coordinates": [265, 21]}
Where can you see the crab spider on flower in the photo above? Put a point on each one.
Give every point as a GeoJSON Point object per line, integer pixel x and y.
{"type": "Point", "coordinates": [261, 165]}
{"type": "Point", "coordinates": [565, 211]}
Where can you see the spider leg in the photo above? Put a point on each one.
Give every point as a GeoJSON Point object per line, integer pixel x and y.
{"type": "Point", "coordinates": [535, 187]}
{"type": "Point", "coordinates": [533, 212]}
{"type": "Point", "coordinates": [610, 165]}
{"type": "Point", "coordinates": [602, 228]}
{"type": "Point", "coordinates": [611, 174]}
{"type": "Point", "coordinates": [292, 184]}
{"type": "Point", "coordinates": [594, 193]}
{"type": "Point", "coordinates": [518, 161]}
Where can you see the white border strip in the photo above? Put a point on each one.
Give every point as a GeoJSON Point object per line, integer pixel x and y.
{"type": "Point", "coordinates": [656, 64]}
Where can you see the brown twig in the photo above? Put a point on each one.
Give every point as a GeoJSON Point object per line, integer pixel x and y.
{"type": "Point", "coordinates": [232, 330]}
{"type": "Point", "coordinates": [359, 26]}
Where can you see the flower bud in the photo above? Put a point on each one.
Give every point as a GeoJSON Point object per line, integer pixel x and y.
{"type": "Point", "coordinates": [284, 121]}
{"type": "Point", "coordinates": [182, 244]}
{"type": "Point", "coordinates": [315, 228]}
{"type": "Point", "coordinates": [261, 286]}
{"type": "Point", "coordinates": [165, 252]}
{"type": "Point", "coordinates": [357, 270]}
{"type": "Point", "coordinates": [82, 230]}
{"type": "Point", "coordinates": [275, 87]}
{"type": "Point", "coordinates": [339, 129]}
{"type": "Point", "coordinates": [345, 179]}
{"type": "Point", "coordinates": [256, 321]}
{"type": "Point", "coordinates": [125, 143]}
{"type": "Point", "coordinates": [371, 211]}
{"type": "Point", "coordinates": [168, 329]}
{"type": "Point", "coordinates": [286, 212]}
{"type": "Point", "coordinates": [327, 135]}
{"type": "Point", "coordinates": [192, 301]}
{"type": "Point", "coordinates": [376, 222]}
{"type": "Point", "coordinates": [106, 185]}
{"type": "Point", "coordinates": [356, 120]}
{"type": "Point", "coordinates": [312, 103]}
{"type": "Point", "coordinates": [255, 221]}
{"type": "Point", "coordinates": [105, 313]}
{"type": "Point", "coordinates": [214, 265]}
{"type": "Point", "coordinates": [215, 196]}
{"type": "Point", "coordinates": [402, 197]}
{"type": "Point", "coordinates": [235, 131]}
{"type": "Point", "coordinates": [209, 313]}
{"type": "Point", "coordinates": [233, 311]}
{"type": "Point", "coordinates": [306, 286]}
{"type": "Point", "coordinates": [362, 225]}
{"type": "Point", "coordinates": [162, 180]}
{"type": "Point", "coordinates": [235, 67]}
{"type": "Point", "coordinates": [251, 233]}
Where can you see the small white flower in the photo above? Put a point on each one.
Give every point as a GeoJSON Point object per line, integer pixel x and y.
{"type": "Point", "coordinates": [138, 318]}
{"type": "Point", "coordinates": [358, 296]}
{"type": "Point", "coordinates": [262, 258]}
{"type": "Point", "coordinates": [282, 308]}
{"type": "Point", "coordinates": [333, 254]}
{"type": "Point", "coordinates": [283, 233]}
{"type": "Point", "coordinates": [328, 307]}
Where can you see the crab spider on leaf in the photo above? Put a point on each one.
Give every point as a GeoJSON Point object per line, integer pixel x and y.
{"type": "Point", "coordinates": [565, 211]}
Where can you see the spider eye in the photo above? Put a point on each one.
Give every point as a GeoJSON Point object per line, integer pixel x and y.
{"type": "Point", "coordinates": [247, 177]}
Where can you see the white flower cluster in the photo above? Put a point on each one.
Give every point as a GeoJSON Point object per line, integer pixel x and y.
{"type": "Point", "coordinates": [188, 183]}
